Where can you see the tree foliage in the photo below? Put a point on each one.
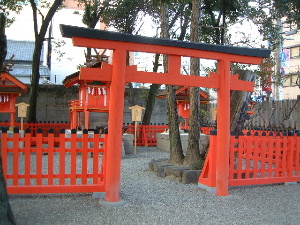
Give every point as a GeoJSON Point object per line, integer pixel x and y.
{"type": "Point", "coordinates": [289, 9]}
{"type": "Point", "coordinates": [125, 15]}
{"type": "Point", "coordinates": [8, 6]}
{"type": "Point", "coordinates": [216, 16]}
{"type": "Point", "coordinates": [93, 11]}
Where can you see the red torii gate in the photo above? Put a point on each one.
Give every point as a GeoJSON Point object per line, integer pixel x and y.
{"type": "Point", "coordinates": [119, 74]}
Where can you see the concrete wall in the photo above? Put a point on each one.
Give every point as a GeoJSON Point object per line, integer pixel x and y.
{"type": "Point", "coordinates": [53, 105]}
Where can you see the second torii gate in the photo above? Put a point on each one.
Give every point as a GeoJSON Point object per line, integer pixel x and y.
{"type": "Point", "coordinates": [119, 74]}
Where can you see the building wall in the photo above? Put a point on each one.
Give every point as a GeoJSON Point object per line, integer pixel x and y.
{"type": "Point", "coordinates": [292, 67]}
{"type": "Point", "coordinates": [53, 105]}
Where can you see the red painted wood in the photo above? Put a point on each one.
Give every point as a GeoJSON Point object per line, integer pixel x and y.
{"type": "Point", "coordinates": [208, 174]}
{"type": "Point", "coordinates": [60, 177]}
{"type": "Point", "coordinates": [122, 74]}
{"type": "Point", "coordinates": [115, 124]}
{"type": "Point", "coordinates": [132, 75]}
{"type": "Point", "coordinates": [264, 160]}
{"type": "Point", "coordinates": [223, 123]}
{"type": "Point", "coordinates": [93, 73]}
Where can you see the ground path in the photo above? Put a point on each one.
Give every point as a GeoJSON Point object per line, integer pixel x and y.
{"type": "Point", "coordinates": [157, 201]}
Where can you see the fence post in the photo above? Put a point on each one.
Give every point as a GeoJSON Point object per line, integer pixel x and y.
{"type": "Point", "coordinates": [207, 179]}
{"type": "Point", "coordinates": [298, 114]}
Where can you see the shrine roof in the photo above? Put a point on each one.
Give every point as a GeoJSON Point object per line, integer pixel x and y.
{"type": "Point", "coordinates": [73, 31]}
{"type": "Point", "coordinates": [73, 78]}
{"type": "Point", "coordinates": [204, 96]}
{"type": "Point", "coordinates": [14, 85]}
{"type": "Point", "coordinates": [11, 90]}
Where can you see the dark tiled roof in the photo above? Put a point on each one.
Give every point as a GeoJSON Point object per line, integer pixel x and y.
{"type": "Point", "coordinates": [23, 50]}
{"type": "Point", "coordinates": [26, 70]}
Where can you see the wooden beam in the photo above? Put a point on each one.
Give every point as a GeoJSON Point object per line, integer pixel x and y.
{"type": "Point", "coordinates": [96, 74]}
{"type": "Point", "coordinates": [171, 79]}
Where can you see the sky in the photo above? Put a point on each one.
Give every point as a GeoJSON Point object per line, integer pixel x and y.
{"type": "Point", "coordinates": [22, 29]}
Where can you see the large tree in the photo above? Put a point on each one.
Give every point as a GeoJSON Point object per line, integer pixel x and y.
{"type": "Point", "coordinates": [193, 151]}
{"type": "Point", "coordinates": [39, 33]}
{"type": "Point", "coordinates": [6, 214]}
{"type": "Point", "coordinates": [178, 13]}
{"type": "Point", "coordinates": [6, 6]}
{"type": "Point", "coordinates": [169, 14]}
{"type": "Point", "coordinates": [126, 16]}
{"type": "Point", "coordinates": [176, 154]}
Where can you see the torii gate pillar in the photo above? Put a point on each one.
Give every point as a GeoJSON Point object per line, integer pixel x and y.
{"type": "Point", "coordinates": [115, 123]}
{"type": "Point", "coordinates": [223, 124]}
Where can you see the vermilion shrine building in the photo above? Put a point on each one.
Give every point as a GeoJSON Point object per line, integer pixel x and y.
{"type": "Point", "coordinates": [93, 97]}
{"type": "Point", "coordinates": [10, 89]}
{"type": "Point", "coordinates": [119, 73]}
{"type": "Point", "coordinates": [183, 101]}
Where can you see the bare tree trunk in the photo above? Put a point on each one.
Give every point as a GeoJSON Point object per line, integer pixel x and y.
{"type": "Point", "coordinates": [176, 154]}
{"type": "Point", "coordinates": [39, 39]}
{"type": "Point", "coordinates": [6, 213]}
{"type": "Point", "coordinates": [33, 95]}
{"type": "Point", "coordinates": [239, 102]}
{"type": "Point", "coordinates": [154, 88]}
{"type": "Point", "coordinates": [193, 152]}
{"type": "Point", "coordinates": [3, 43]}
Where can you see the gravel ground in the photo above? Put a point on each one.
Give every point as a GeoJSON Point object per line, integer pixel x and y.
{"type": "Point", "coordinates": [153, 200]}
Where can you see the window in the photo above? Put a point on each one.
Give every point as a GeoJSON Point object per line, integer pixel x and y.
{"type": "Point", "coordinates": [295, 52]}
{"type": "Point", "coordinates": [291, 80]}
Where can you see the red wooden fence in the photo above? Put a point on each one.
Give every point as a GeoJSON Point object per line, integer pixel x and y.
{"type": "Point", "coordinates": [146, 134]}
{"type": "Point", "coordinates": [75, 164]}
{"type": "Point", "coordinates": [257, 159]}
{"type": "Point", "coordinates": [264, 159]}
{"type": "Point", "coordinates": [46, 126]}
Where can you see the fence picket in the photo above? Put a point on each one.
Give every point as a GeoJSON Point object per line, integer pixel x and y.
{"type": "Point", "coordinates": [290, 158]}
{"type": "Point", "coordinates": [85, 142]}
{"type": "Point", "coordinates": [264, 159]}
{"type": "Point", "coordinates": [62, 158]}
{"type": "Point", "coordinates": [27, 153]}
{"type": "Point", "coordinates": [297, 156]}
{"type": "Point", "coordinates": [39, 158]}
{"type": "Point", "coordinates": [49, 164]}
{"type": "Point", "coordinates": [51, 152]}
{"type": "Point", "coordinates": [73, 157]}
